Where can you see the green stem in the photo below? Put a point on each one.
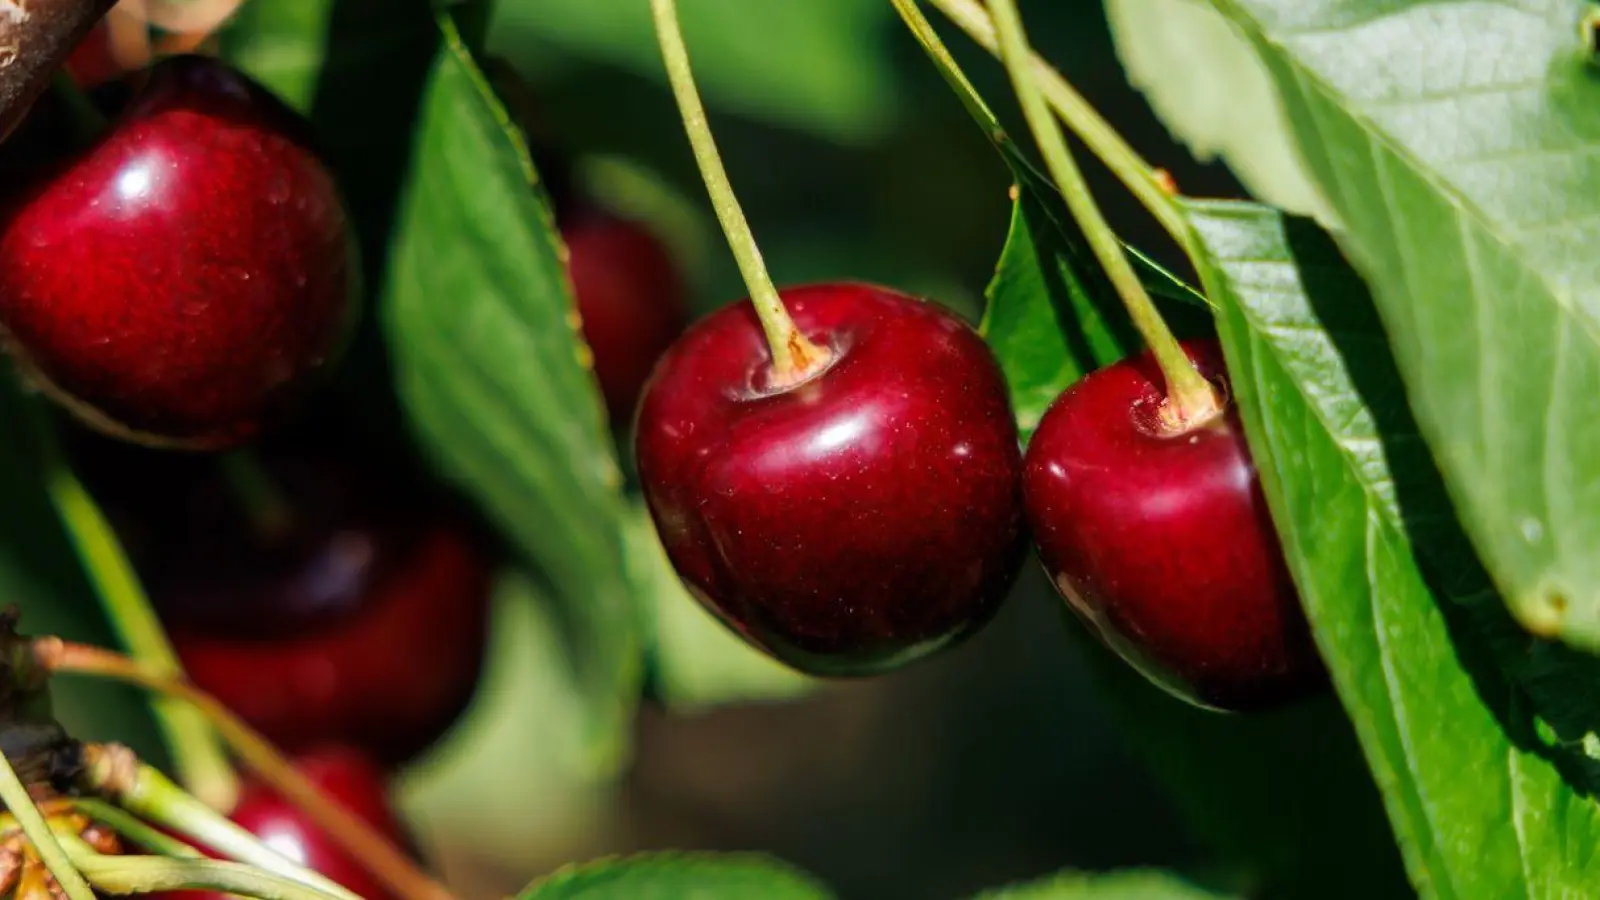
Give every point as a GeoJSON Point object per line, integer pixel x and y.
{"type": "Point", "coordinates": [134, 829]}
{"type": "Point", "coordinates": [15, 796]}
{"type": "Point", "coordinates": [152, 796]}
{"type": "Point", "coordinates": [1135, 173]}
{"type": "Point", "coordinates": [794, 357]}
{"type": "Point", "coordinates": [1191, 400]}
{"type": "Point", "coordinates": [264, 504]}
{"type": "Point", "coordinates": [197, 754]}
{"type": "Point", "coordinates": [364, 844]}
{"type": "Point", "coordinates": [152, 874]}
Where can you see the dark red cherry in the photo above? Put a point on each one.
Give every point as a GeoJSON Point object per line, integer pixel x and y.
{"type": "Point", "coordinates": [93, 62]}
{"type": "Point", "coordinates": [854, 522]}
{"type": "Point", "coordinates": [384, 625]}
{"type": "Point", "coordinates": [183, 281]}
{"type": "Point", "coordinates": [1162, 542]}
{"type": "Point", "coordinates": [630, 297]}
{"type": "Point", "coordinates": [344, 775]}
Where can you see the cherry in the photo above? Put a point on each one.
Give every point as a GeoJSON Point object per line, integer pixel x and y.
{"type": "Point", "coordinates": [630, 297]}
{"type": "Point", "coordinates": [348, 777]}
{"type": "Point", "coordinates": [1162, 541]}
{"type": "Point", "coordinates": [366, 626]}
{"type": "Point", "coordinates": [92, 62]}
{"type": "Point", "coordinates": [183, 281]}
{"type": "Point", "coordinates": [855, 521]}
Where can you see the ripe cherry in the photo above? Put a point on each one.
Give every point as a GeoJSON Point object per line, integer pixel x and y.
{"type": "Point", "coordinates": [630, 297]}
{"type": "Point", "coordinates": [855, 521]}
{"type": "Point", "coordinates": [366, 626]}
{"type": "Point", "coordinates": [348, 777]}
{"type": "Point", "coordinates": [183, 281]}
{"type": "Point", "coordinates": [93, 61]}
{"type": "Point", "coordinates": [1162, 541]}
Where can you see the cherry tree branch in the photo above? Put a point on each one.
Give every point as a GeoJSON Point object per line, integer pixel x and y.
{"type": "Point", "coordinates": [35, 38]}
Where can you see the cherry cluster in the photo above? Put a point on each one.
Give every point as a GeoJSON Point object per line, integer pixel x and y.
{"type": "Point", "coordinates": [189, 277]}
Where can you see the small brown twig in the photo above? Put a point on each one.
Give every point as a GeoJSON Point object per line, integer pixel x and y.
{"type": "Point", "coordinates": [35, 38]}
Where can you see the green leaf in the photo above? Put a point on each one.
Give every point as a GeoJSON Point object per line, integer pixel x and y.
{"type": "Point", "coordinates": [1045, 326]}
{"type": "Point", "coordinates": [1463, 169]}
{"type": "Point", "coordinates": [1208, 85]}
{"type": "Point", "coordinates": [487, 362]}
{"type": "Point", "coordinates": [815, 65]}
{"type": "Point", "coordinates": [1128, 885]}
{"type": "Point", "coordinates": [1475, 795]}
{"type": "Point", "coordinates": [678, 876]}
{"type": "Point", "coordinates": [694, 661]}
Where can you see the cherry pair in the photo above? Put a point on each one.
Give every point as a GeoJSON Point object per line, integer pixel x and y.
{"type": "Point", "coordinates": [875, 510]}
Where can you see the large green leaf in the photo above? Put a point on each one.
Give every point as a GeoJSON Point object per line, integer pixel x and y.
{"type": "Point", "coordinates": [1129, 885]}
{"type": "Point", "coordinates": [815, 65]}
{"type": "Point", "coordinates": [487, 361]}
{"type": "Point", "coordinates": [1476, 796]}
{"type": "Point", "coordinates": [1456, 141]}
{"type": "Point", "coordinates": [678, 876]}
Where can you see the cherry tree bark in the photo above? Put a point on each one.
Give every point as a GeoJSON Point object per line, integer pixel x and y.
{"type": "Point", "coordinates": [35, 37]}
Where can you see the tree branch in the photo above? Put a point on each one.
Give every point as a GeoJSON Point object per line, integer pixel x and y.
{"type": "Point", "coordinates": [35, 38]}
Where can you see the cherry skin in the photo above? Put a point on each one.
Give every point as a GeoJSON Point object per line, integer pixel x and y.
{"type": "Point", "coordinates": [854, 522]}
{"type": "Point", "coordinates": [348, 777]}
{"type": "Point", "coordinates": [630, 297]}
{"type": "Point", "coordinates": [372, 634]}
{"type": "Point", "coordinates": [1162, 541]}
{"type": "Point", "coordinates": [92, 62]}
{"type": "Point", "coordinates": [184, 280]}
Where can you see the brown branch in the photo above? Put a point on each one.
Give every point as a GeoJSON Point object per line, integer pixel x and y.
{"type": "Point", "coordinates": [35, 38]}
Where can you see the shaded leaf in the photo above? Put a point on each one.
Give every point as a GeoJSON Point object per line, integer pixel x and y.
{"type": "Point", "coordinates": [677, 876]}
{"type": "Point", "coordinates": [487, 359]}
{"type": "Point", "coordinates": [1406, 628]}
{"type": "Point", "coordinates": [1463, 171]}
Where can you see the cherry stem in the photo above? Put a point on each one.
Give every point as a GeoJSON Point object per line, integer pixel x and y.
{"type": "Point", "coordinates": [133, 828]}
{"type": "Point", "coordinates": [197, 755]}
{"type": "Point", "coordinates": [264, 503]}
{"type": "Point", "coordinates": [147, 793]}
{"type": "Point", "coordinates": [14, 794]}
{"type": "Point", "coordinates": [378, 855]}
{"type": "Point", "coordinates": [152, 874]}
{"type": "Point", "coordinates": [1136, 174]}
{"type": "Point", "coordinates": [794, 356]}
{"type": "Point", "coordinates": [1191, 399]}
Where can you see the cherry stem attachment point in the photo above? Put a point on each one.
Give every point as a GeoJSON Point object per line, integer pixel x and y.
{"type": "Point", "coordinates": [14, 794]}
{"type": "Point", "coordinates": [376, 854]}
{"type": "Point", "coordinates": [794, 356]}
{"type": "Point", "coordinates": [198, 756]}
{"type": "Point", "coordinates": [153, 874]}
{"type": "Point", "coordinates": [1191, 399]}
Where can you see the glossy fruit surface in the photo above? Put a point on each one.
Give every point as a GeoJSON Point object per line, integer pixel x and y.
{"type": "Point", "coordinates": [368, 632]}
{"type": "Point", "coordinates": [1163, 543]}
{"type": "Point", "coordinates": [630, 297]}
{"type": "Point", "coordinates": [183, 281]}
{"type": "Point", "coordinates": [851, 523]}
{"type": "Point", "coordinates": [346, 776]}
